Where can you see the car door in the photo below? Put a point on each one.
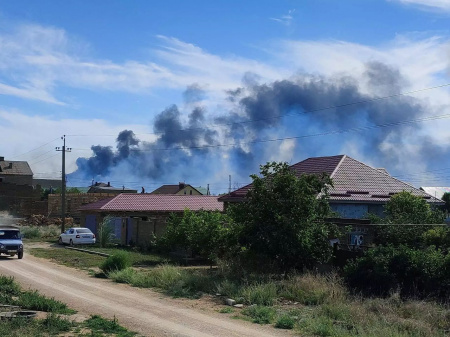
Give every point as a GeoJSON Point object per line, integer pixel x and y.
{"type": "Point", "coordinates": [67, 235]}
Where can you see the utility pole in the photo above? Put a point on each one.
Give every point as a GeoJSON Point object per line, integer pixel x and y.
{"type": "Point", "coordinates": [63, 182]}
{"type": "Point", "coordinates": [229, 184]}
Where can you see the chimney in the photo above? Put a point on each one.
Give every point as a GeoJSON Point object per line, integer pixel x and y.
{"type": "Point", "coordinates": [181, 185]}
{"type": "Point", "coordinates": [10, 165]}
{"type": "Point", "coordinates": [109, 185]}
{"type": "Point", "coordinates": [2, 158]}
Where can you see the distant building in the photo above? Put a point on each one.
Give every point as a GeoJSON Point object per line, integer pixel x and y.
{"type": "Point", "coordinates": [107, 188]}
{"type": "Point", "coordinates": [180, 189]}
{"type": "Point", "coordinates": [15, 172]}
{"type": "Point", "coordinates": [437, 192]}
{"type": "Point", "coordinates": [47, 183]}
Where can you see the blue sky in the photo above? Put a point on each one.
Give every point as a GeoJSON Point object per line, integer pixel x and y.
{"type": "Point", "coordinates": [90, 69]}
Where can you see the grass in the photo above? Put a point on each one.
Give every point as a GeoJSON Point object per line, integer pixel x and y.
{"type": "Point", "coordinates": [55, 324]}
{"type": "Point", "coordinates": [99, 324]}
{"type": "Point", "coordinates": [11, 293]}
{"type": "Point", "coordinates": [81, 260]}
{"type": "Point", "coordinates": [260, 314]}
{"type": "Point", "coordinates": [39, 233]}
{"type": "Point", "coordinates": [310, 304]}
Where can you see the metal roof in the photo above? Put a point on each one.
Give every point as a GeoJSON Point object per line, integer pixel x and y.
{"type": "Point", "coordinates": [129, 202]}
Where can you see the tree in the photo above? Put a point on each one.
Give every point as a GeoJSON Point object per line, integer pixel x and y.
{"type": "Point", "coordinates": [446, 199]}
{"type": "Point", "coordinates": [402, 210]}
{"type": "Point", "coordinates": [204, 233]}
{"type": "Point", "coordinates": [281, 222]}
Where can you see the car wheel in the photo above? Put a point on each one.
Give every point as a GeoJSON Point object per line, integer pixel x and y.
{"type": "Point", "coordinates": [71, 242]}
{"type": "Point", "coordinates": [20, 255]}
{"type": "Point", "coordinates": [60, 241]}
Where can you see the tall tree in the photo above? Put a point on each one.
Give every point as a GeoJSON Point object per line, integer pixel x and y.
{"type": "Point", "coordinates": [282, 219]}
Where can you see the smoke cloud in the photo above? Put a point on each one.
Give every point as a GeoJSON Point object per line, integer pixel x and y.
{"type": "Point", "coordinates": [191, 147]}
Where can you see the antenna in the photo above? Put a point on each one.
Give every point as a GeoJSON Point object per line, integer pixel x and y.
{"type": "Point", "coordinates": [229, 184]}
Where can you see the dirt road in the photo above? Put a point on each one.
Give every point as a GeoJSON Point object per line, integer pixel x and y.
{"type": "Point", "coordinates": [141, 310]}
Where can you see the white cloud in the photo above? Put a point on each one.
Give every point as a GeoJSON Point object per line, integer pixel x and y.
{"type": "Point", "coordinates": [285, 19]}
{"type": "Point", "coordinates": [27, 132]}
{"type": "Point", "coordinates": [436, 4]}
{"type": "Point", "coordinates": [48, 54]}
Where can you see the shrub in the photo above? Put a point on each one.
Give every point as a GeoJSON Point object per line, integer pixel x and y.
{"type": "Point", "coordinates": [105, 231]}
{"type": "Point", "coordinates": [312, 289]}
{"type": "Point", "coordinates": [285, 322]}
{"type": "Point", "coordinates": [55, 325]}
{"type": "Point", "coordinates": [118, 261]}
{"type": "Point", "coordinates": [8, 286]}
{"type": "Point", "coordinates": [34, 301]}
{"type": "Point", "coordinates": [31, 232]}
{"type": "Point", "coordinates": [260, 314]}
{"type": "Point", "coordinates": [414, 272]}
{"type": "Point", "coordinates": [260, 293]}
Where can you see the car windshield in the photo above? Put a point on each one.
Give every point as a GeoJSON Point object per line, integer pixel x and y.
{"type": "Point", "coordinates": [5, 234]}
{"type": "Point", "coordinates": [84, 230]}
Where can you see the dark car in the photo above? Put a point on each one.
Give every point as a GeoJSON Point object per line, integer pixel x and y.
{"type": "Point", "coordinates": [11, 241]}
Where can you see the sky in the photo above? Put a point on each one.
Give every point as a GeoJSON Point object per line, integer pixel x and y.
{"type": "Point", "coordinates": [160, 92]}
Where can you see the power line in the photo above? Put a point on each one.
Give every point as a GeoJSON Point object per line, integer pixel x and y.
{"type": "Point", "coordinates": [327, 133]}
{"type": "Point", "coordinates": [43, 159]}
{"type": "Point", "coordinates": [35, 148]}
{"type": "Point", "coordinates": [370, 100]}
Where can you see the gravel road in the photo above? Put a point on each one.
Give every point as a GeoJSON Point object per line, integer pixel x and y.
{"type": "Point", "coordinates": [141, 310]}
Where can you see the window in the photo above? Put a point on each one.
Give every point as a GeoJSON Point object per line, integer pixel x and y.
{"type": "Point", "coordinates": [190, 192]}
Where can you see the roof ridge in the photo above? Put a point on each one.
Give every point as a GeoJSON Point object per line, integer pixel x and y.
{"type": "Point", "coordinates": [338, 165]}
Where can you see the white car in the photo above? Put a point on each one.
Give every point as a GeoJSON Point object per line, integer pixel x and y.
{"type": "Point", "coordinates": [77, 236]}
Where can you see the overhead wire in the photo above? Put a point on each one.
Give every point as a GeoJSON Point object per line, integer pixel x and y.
{"type": "Point", "coordinates": [369, 100]}
{"type": "Point", "coordinates": [331, 132]}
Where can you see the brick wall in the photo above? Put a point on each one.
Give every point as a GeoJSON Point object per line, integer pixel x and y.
{"type": "Point", "coordinates": [73, 202]}
{"type": "Point", "coordinates": [20, 200]}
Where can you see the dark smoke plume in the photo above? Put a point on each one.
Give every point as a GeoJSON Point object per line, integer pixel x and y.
{"type": "Point", "coordinates": [293, 107]}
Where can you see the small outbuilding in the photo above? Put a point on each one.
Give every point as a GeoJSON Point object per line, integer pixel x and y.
{"type": "Point", "coordinates": [138, 217]}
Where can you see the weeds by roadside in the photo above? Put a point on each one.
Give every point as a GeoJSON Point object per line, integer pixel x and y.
{"type": "Point", "coordinates": [55, 323]}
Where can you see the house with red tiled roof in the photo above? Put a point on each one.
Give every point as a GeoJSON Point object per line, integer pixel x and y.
{"type": "Point", "coordinates": [357, 190]}
{"type": "Point", "coordinates": [137, 217]}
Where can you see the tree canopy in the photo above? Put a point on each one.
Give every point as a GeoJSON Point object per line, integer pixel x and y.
{"type": "Point", "coordinates": [282, 219]}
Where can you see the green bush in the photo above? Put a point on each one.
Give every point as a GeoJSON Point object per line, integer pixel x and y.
{"type": "Point", "coordinates": [99, 324]}
{"type": "Point", "coordinates": [31, 232]}
{"type": "Point", "coordinates": [260, 293]}
{"type": "Point", "coordinates": [8, 287]}
{"type": "Point", "coordinates": [105, 232]}
{"type": "Point", "coordinates": [285, 322]}
{"type": "Point", "coordinates": [118, 261]}
{"type": "Point", "coordinates": [34, 301]}
{"type": "Point", "coordinates": [260, 314]}
{"type": "Point", "coordinates": [413, 272]}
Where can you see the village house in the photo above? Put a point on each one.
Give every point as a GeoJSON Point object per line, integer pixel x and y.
{"type": "Point", "coordinates": [180, 189]}
{"type": "Point", "coordinates": [357, 190]}
{"type": "Point", "coordinates": [139, 217]}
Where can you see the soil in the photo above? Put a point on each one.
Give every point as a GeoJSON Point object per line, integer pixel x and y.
{"type": "Point", "coordinates": [144, 311]}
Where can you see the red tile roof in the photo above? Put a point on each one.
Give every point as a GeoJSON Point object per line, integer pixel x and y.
{"type": "Point", "coordinates": [128, 202]}
{"type": "Point", "coordinates": [353, 181]}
